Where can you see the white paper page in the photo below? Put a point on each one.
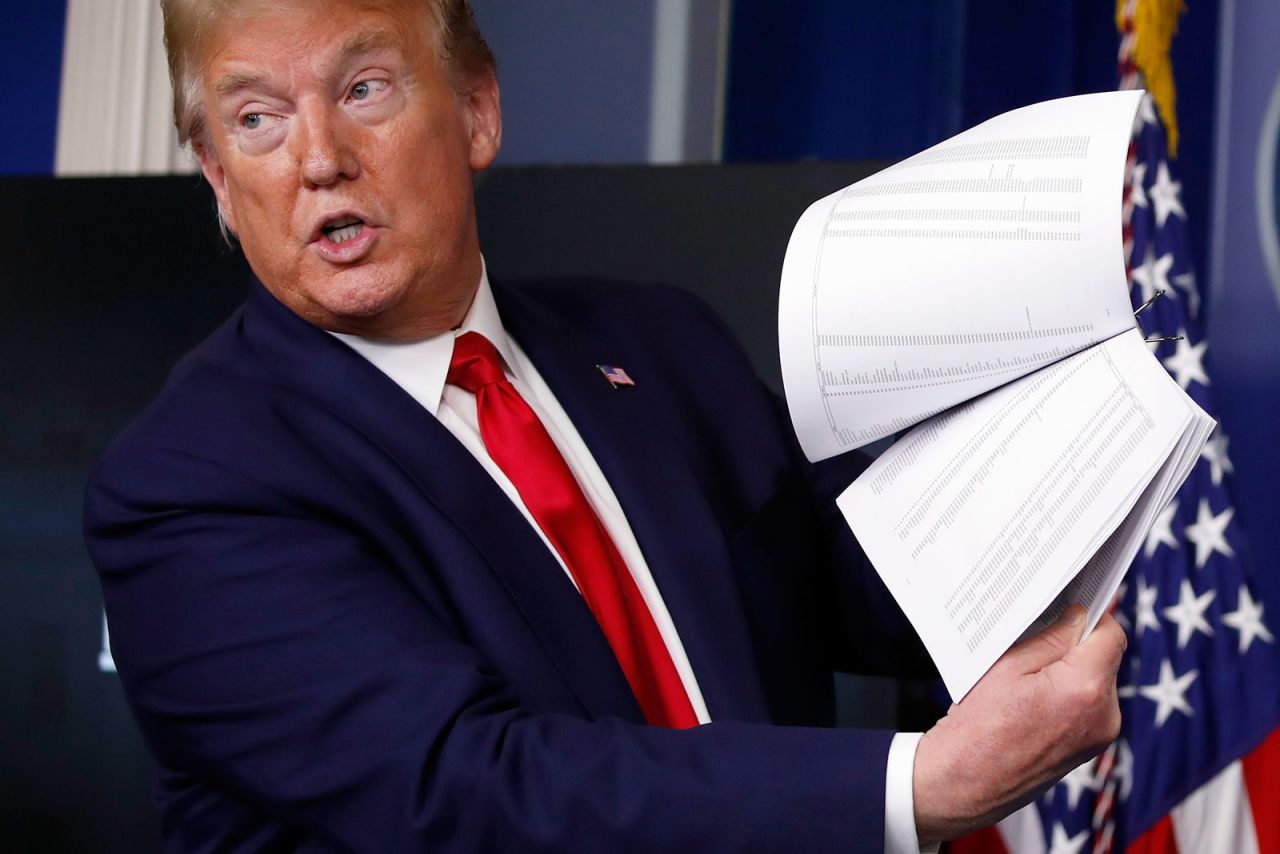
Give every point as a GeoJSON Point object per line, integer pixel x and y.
{"type": "Point", "coordinates": [1095, 586]}
{"type": "Point", "coordinates": [955, 271]}
{"type": "Point", "coordinates": [976, 519]}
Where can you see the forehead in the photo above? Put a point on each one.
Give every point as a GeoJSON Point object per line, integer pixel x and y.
{"type": "Point", "coordinates": [293, 35]}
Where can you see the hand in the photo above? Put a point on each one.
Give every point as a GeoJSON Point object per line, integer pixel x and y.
{"type": "Point", "coordinates": [1046, 706]}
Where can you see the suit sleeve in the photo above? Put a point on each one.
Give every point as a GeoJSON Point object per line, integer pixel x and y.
{"type": "Point", "coordinates": [272, 653]}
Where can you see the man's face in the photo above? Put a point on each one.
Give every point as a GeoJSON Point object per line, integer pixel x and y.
{"type": "Point", "coordinates": [341, 156]}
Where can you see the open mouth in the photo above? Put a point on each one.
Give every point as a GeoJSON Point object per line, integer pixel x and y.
{"type": "Point", "coordinates": [342, 229]}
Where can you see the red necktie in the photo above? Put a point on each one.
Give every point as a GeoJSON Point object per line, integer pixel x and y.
{"type": "Point", "coordinates": [522, 448]}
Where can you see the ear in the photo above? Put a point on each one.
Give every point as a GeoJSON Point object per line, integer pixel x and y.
{"type": "Point", "coordinates": [484, 111]}
{"type": "Point", "coordinates": [211, 166]}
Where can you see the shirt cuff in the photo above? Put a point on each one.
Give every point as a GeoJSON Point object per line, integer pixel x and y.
{"type": "Point", "coordinates": [899, 797]}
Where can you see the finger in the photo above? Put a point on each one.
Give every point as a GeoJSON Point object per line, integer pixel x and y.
{"type": "Point", "coordinates": [1052, 644]}
{"type": "Point", "coordinates": [1103, 649]}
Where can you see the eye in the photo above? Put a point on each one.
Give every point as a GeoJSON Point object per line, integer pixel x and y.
{"type": "Point", "coordinates": [251, 121]}
{"type": "Point", "coordinates": [366, 88]}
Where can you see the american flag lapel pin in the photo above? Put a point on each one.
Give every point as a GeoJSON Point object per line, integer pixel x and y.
{"type": "Point", "coordinates": [616, 375]}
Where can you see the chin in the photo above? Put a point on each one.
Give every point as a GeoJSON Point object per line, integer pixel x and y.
{"type": "Point", "coordinates": [358, 297]}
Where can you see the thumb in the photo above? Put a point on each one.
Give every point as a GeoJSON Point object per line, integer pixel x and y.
{"type": "Point", "coordinates": [1103, 649]}
{"type": "Point", "coordinates": [1036, 653]}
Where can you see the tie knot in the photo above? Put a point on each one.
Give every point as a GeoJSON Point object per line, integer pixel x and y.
{"type": "Point", "coordinates": [475, 362]}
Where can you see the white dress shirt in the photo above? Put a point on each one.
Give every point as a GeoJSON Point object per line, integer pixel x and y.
{"type": "Point", "coordinates": [421, 367]}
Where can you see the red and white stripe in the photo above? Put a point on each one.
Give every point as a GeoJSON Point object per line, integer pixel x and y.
{"type": "Point", "coordinates": [1130, 78]}
{"type": "Point", "coordinates": [1234, 813]}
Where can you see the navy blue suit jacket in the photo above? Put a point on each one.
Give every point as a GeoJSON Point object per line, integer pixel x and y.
{"type": "Point", "coordinates": [338, 634]}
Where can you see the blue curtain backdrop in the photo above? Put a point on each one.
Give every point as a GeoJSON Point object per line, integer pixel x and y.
{"type": "Point", "coordinates": [1244, 325]}
{"type": "Point", "coordinates": [31, 66]}
{"type": "Point", "coordinates": [853, 79]}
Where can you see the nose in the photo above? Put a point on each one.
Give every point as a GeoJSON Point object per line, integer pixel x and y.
{"type": "Point", "coordinates": [324, 149]}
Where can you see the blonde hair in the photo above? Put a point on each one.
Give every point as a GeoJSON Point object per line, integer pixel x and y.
{"type": "Point", "coordinates": [187, 22]}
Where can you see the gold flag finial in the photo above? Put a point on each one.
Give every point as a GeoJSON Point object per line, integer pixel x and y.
{"type": "Point", "coordinates": [1153, 25]}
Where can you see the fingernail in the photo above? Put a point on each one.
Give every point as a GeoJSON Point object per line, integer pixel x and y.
{"type": "Point", "coordinates": [1073, 615]}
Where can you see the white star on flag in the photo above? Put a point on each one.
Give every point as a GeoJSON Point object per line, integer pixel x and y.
{"type": "Point", "coordinates": [1122, 771]}
{"type": "Point", "coordinates": [1146, 615]}
{"type": "Point", "coordinates": [1138, 193]}
{"type": "Point", "coordinates": [1187, 281]}
{"type": "Point", "coordinates": [1247, 620]}
{"type": "Point", "coordinates": [1146, 112]}
{"type": "Point", "coordinates": [1164, 195]}
{"type": "Point", "coordinates": [1215, 451]}
{"type": "Point", "coordinates": [1119, 613]}
{"type": "Point", "coordinates": [1187, 362]}
{"type": "Point", "coordinates": [1208, 532]}
{"type": "Point", "coordinates": [1189, 612]}
{"type": "Point", "coordinates": [1081, 777]}
{"type": "Point", "coordinates": [1153, 275]}
{"type": "Point", "coordinates": [1063, 844]}
{"type": "Point", "coordinates": [1168, 691]}
{"type": "Point", "coordinates": [1161, 533]}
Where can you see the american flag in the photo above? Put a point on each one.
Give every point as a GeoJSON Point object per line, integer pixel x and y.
{"type": "Point", "coordinates": [1197, 764]}
{"type": "Point", "coordinates": [615, 375]}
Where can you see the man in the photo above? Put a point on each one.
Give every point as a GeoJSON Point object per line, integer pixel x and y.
{"type": "Point", "coordinates": [391, 565]}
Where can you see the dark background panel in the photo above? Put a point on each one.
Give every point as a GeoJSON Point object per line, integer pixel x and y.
{"type": "Point", "coordinates": [106, 283]}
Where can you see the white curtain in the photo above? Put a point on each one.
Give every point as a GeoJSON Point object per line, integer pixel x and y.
{"type": "Point", "coordinates": [115, 111]}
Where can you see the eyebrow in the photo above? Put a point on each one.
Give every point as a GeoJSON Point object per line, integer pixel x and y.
{"type": "Point", "coordinates": [366, 41]}
{"type": "Point", "coordinates": [233, 81]}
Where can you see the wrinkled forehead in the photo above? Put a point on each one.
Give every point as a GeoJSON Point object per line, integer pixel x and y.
{"type": "Point", "coordinates": [352, 26]}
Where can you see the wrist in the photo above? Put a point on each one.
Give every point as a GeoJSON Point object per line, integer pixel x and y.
{"type": "Point", "coordinates": [945, 806]}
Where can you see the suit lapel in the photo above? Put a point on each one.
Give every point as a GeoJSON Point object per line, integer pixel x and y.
{"type": "Point", "coordinates": [664, 505]}
{"type": "Point", "coordinates": [326, 370]}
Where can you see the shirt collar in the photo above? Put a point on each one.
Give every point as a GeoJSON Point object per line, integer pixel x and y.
{"type": "Point", "coordinates": [421, 367]}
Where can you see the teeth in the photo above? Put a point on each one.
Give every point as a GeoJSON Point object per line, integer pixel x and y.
{"type": "Point", "coordinates": [345, 233]}
{"type": "Point", "coordinates": [346, 220]}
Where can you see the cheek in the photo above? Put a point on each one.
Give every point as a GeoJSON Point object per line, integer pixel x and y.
{"type": "Point", "coordinates": [434, 150]}
{"type": "Point", "coordinates": [262, 226]}
{"type": "Point", "coordinates": [263, 204]}
{"type": "Point", "coordinates": [442, 183]}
